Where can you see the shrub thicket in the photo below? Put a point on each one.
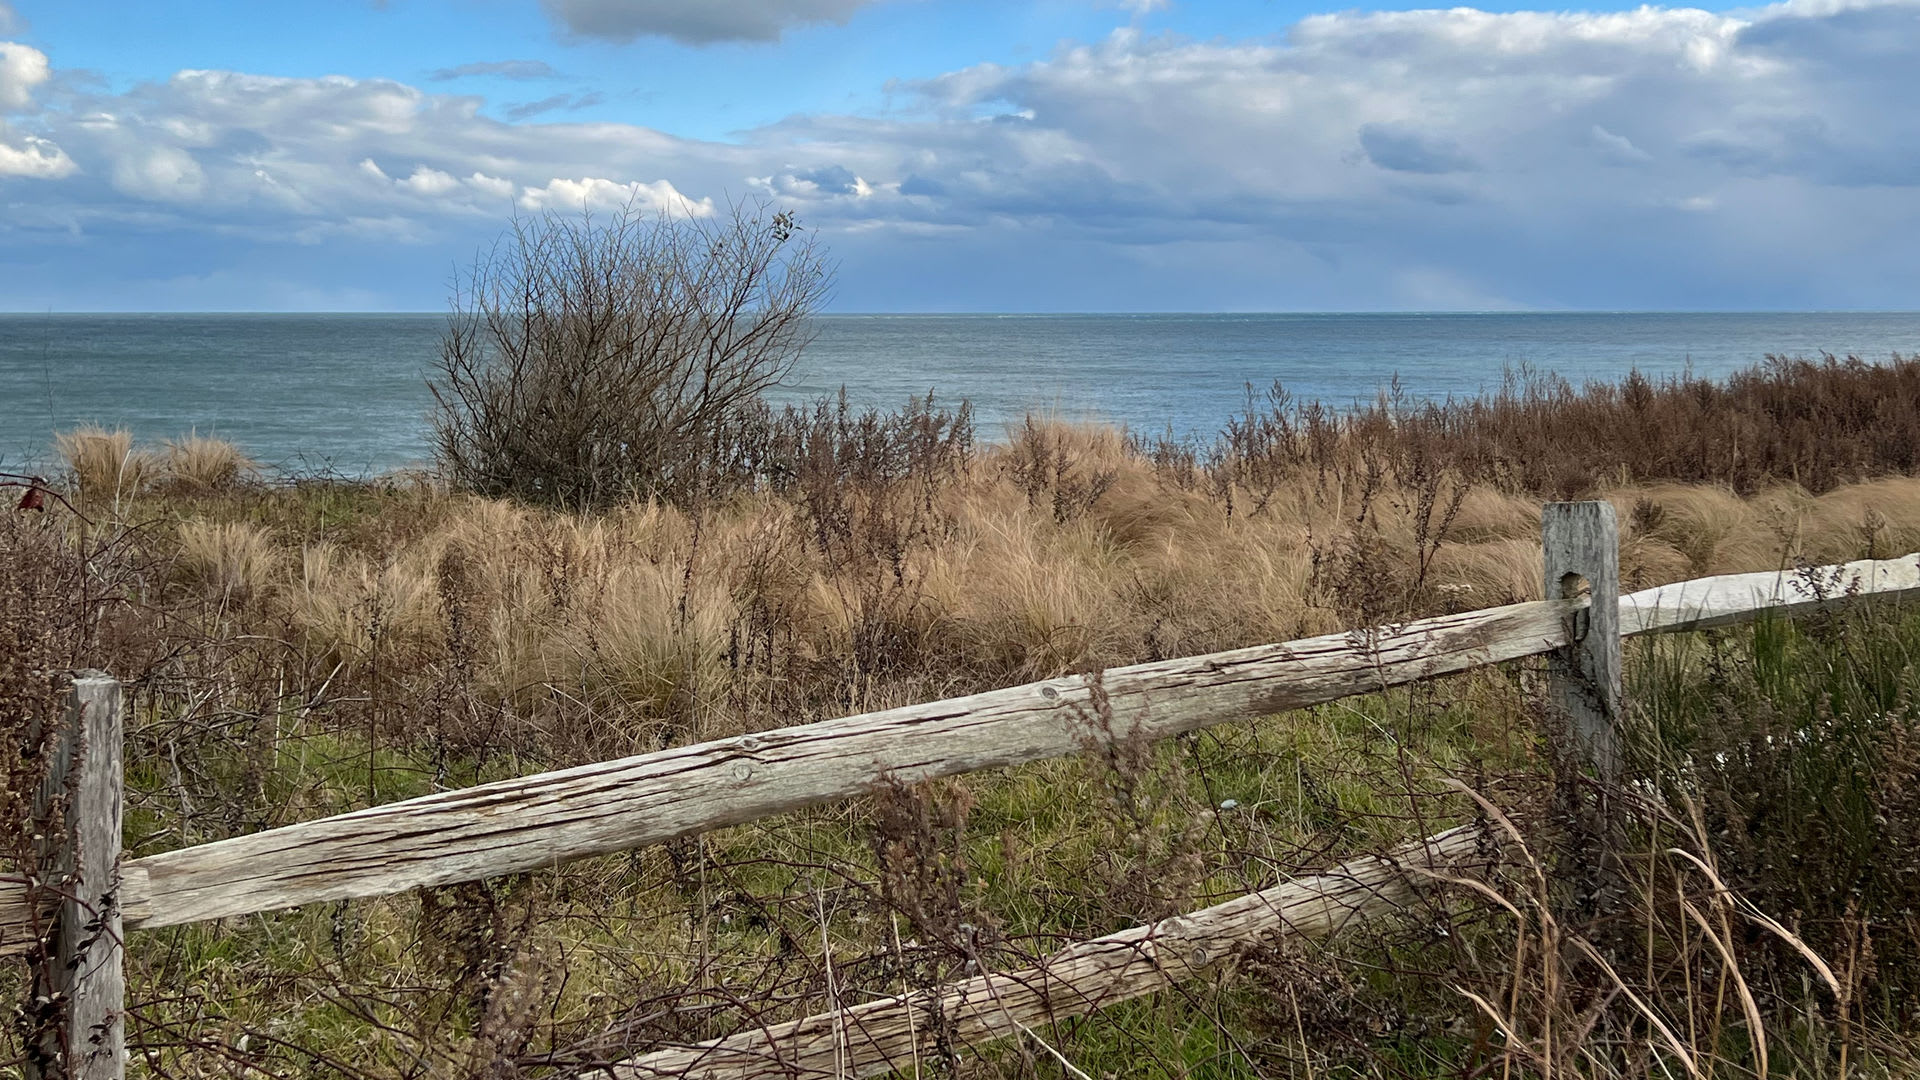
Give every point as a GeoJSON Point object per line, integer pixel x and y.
{"type": "Point", "coordinates": [304, 649]}
{"type": "Point", "coordinates": [1817, 424]}
{"type": "Point", "coordinates": [588, 361]}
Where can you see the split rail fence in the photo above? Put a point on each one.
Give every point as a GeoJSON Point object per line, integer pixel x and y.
{"type": "Point", "coordinates": [549, 818]}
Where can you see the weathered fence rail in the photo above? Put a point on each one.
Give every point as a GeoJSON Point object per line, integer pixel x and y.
{"type": "Point", "coordinates": [1728, 599]}
{"type": "Point", "coordinates": [549, 818]}
{"type": "Point", "coordinates": [540, 820]}
{"type": "Point", "coordinates": [880, 1036]}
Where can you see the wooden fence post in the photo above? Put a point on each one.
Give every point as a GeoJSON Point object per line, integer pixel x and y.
{"type": "Point", "coordinates": [1582, 541]}
{"type": "Point", "coordinates": [88, 1039]}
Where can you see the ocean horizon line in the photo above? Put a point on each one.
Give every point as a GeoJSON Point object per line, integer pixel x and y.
{"type": "Point", "coordinates": [354, 387]}
{"type": "Point", "coordinates": [1089, 314]}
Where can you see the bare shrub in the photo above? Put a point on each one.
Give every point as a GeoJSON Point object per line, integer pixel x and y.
{"type": "Point", "coordinates": [62, 607]}
{"type": "Point", "coordinates": [298, 650]}
{"type": "Point", "coordinates": [919, 849]}
{"type": "Point", "coordinates": [587, 361]}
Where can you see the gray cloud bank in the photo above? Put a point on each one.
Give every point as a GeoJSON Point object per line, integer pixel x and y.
{"type": "Point", "coordinates": [1428, 159]}
{"type": "Point", "coordinates": [696, 22]}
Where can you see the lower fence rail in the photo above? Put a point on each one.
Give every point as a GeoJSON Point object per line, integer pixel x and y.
{"type": "Point", "coordinates": [897, 1033]}
{"type": "Point", "coordinates": [540, 820]}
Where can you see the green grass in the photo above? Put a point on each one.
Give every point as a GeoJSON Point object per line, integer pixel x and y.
{"type": "Point", "coordinates": [1040, 856]}
{"type": "Point", "coordinates": [1791, 739]}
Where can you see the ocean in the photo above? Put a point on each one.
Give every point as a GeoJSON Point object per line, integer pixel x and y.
{"type": "Point", "coordinates": [348, 393]}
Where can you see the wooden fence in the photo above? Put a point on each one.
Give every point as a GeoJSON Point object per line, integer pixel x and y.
{"type": "Point", "coordinates": [549, 818]}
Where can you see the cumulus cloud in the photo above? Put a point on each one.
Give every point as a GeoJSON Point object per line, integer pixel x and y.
{"type": "Point", "coordinates": [10, 23]}
{"type": "Point", "coordinates": [597, 194]}
{"type": "Point", "coordinates": [1658, 157]}
{"type": "Point", "coordinates": [499, 69]}
{"type": "Point", "coordinates": [159, 173]}
{"type": "Point", "coordinates": [696, 22]}
{"type": "Point", "coordinates": [34, 158]}
{"type": "Point", "coordinates": [22, 70]}
{"type": "Point", "coordinates": [425, 181]}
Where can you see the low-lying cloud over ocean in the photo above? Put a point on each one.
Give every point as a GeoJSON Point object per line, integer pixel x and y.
{"type": "Point", "coordinates": [1661, 157]}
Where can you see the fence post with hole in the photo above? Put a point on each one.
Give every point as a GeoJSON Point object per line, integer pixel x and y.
{"type": "Point", "coordinates": [1582, 542]}
{"type": "Point", "coordinates": [86, 1036]}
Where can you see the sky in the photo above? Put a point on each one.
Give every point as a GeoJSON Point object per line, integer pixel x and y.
{"type": "Point", "coordinates": [975, 155]}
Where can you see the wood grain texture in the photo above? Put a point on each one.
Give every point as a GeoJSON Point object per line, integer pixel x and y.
{"type": "Point", "coordinates": [1736, 598]}
{"type": "Point", "coordinates": [548, 818]}
{"type": "Point", "coordinates": [89, 1041]}
{"type": "Point", "coordinates": [17, 924]}
{"type": "Point", "coordinates": [894, 1033]}
{"type": "Point", "coordinates": [1581, 543]}
{"type": "Point", "coordinates": [538, 821]}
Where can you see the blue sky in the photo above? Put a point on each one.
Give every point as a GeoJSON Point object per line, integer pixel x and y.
{"type": "Point", "coordinates": [983, 156]}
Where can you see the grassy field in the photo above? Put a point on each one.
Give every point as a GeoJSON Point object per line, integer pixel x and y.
{"type": "Point", "coordinates": [298, 647]}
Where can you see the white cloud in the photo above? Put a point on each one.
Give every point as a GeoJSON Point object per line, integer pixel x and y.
{"type": "Point", "coordinates": [10, 23]}
{"type": "Point", "coordinates": [161, 173]}
{"type": "Point", "coordinates": [596, 194]}
{"type": "Point", "coordinates": [1659, 156]}
{"type": "Point", "coordinates": [425, 181]}
{"type": "Point", "coordinates": [495, 186]}
{"type": "Point", "coordinates": [35, 158]}
{"type": "Point", "coordinates": [22, 69]}
{"type": "Point", "coordinates": [696, 22]}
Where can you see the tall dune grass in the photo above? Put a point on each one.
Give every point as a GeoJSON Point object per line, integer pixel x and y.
{"type": "Point", "coordinates": [200, 463]}
{"type": "Point", "coordinates": [309, 646]}
{"type": "Point", "coordinates": [107, 469]}
{"type": "Point", "coordinates": [867, 560]}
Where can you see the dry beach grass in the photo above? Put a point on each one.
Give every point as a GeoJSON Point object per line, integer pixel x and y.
{"type": "Point", "coordinates": [300, 647]}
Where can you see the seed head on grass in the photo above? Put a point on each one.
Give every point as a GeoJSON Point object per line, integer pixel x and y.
{"type": "Point", "coordinates": [233, 562]}
{"type": "Point", "coordinates": [105, 465]}
{"type": "Point", "coordinates": [197, 463]}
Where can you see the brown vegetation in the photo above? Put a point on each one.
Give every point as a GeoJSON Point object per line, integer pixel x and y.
{"type": "Point", "coordinates": [1814, 424]}
{"type": "Point", "coordinates": [306, 647]}
{"type": "Point", "coordinates": [590, 361]}
{"type": "Point", "coordinates": [877, 560]}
